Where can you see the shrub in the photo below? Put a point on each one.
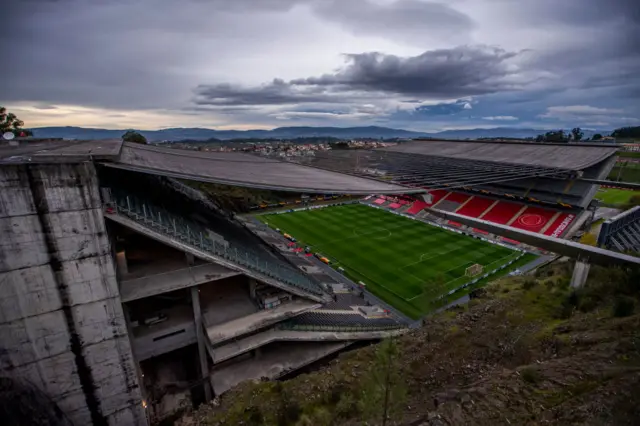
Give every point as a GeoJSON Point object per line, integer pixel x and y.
{"type": "Point", "coordinates": [530, 375]}
{"type": "Point", "coordinates": [623, 306]}
{"type": "Point", "coordinates": [529, 284]}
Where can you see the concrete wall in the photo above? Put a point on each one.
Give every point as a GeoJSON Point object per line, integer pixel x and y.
{"type": "Point", "coordinates": [61, 322]}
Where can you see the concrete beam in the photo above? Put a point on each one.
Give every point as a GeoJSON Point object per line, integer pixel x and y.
{"type": "Point", "coordinates": [556, 245]}
{"type": "Point", "coordinates": [166, 282]}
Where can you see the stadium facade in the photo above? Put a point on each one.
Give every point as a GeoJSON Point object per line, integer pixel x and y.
{"type": "Point", "coordinates": [118, 279]}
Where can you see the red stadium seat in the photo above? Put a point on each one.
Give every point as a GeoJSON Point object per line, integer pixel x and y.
{"type": "Point", "coordinates": [475, 207]}
{"type": "Point", "coordinates": [379, 201]}
{"type": "Point", "coordinates": [437, 195]}
{"type": "Point", "coordinates": [533, 219]}
{"type": "Point", "coordinates": [502, 212]}
{"type": "Point", "coordinates": [417, 207]}
{"type": "Point", "coordinates": [395, 206]}
{"type": "Point", "coordinates": [458, 197]}
{"type": "Point", "coordinates": [559, 225]}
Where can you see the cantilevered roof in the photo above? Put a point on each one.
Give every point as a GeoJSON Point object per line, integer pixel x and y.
{"type": "Point", "coordinates": [561, 156]}
{"type": "Point", "coordinates": [60, 151]}
{"type": "Point", "coordinates": [240, 169]}
{"type": "Point", "coordinates": [427, 171]}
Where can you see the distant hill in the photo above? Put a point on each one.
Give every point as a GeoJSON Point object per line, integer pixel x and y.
{"type": "Point", "coordinates": [181, 133]}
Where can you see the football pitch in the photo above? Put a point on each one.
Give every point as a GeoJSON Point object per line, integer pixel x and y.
{"type": "Point", "coordinates": [407, 263]}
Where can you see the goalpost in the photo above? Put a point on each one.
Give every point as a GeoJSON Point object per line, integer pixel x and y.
{"type": "Point", "coordinates": [473, 270]}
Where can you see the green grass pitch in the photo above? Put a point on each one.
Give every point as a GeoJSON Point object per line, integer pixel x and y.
{"type": "Point", "coordinates": [407, 263]}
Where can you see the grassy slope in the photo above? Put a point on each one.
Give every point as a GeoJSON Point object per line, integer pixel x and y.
{"type": "Point", "coordinates": [528, 351]}
{"type": "Point", "coordinates": [615, 196]}
{"type": "Point", "coordinates": [630, 172]}
{"type": "Point", "coordinates": [405, 262]}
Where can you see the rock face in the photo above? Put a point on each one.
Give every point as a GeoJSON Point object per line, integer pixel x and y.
{"type": "Point", "coordinates": [540, 355]}
{"type": "Point", "coordinates": [62, 329]}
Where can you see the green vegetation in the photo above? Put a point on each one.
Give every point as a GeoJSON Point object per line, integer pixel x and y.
{"type": "Point", "coordinates": [629, 154]}
{"type": "Point", "coordinates": [135, 137]}
{"type": "Point", "coordinates": [526, 350]}
{"type": "Point", "coordinates": [618, 197]}
{"type": "Point", "coordinates": [10, 123]}
{"type": "Point", "coordinates": [626, 171]}
{"type": "Point", "coordinates": [577, 134]}
{"type": "Point", "coordinates": [407, 263]}
{"type": "Point", "coordinates": [627, 133]}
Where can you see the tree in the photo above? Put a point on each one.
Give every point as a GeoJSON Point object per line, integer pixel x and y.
{"type": "Point", "coordinates": [540, 138]}
{"type": "Point", "coordinates": [135, 137]}
{"type": "Point", "coordinates": [577, 133]}
{"type": "Point", "coordinates": [10, 123]}
{"type": "Point", "coordinates": [556, 136]}
{"type": "Point", "coordinates": [596, 137]}
{"type": "Point", "coordinates": [384, 389]}
{"type": "Point", "coordinates": [626, 133]}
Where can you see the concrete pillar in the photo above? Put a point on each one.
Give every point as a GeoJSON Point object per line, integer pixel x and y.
{"type": "Point", "coordinates": [121, 263]}
{"type": "Point", "coordinates": [202, 350]}
{"type": "Point", "coordinates": [257, 353]}
{"type": "Point", "coordinates": [190, 259]}
{"type": "Point", "coordinates": [580, 273]}
{"type": "Point", "coordinates": [252, 288]}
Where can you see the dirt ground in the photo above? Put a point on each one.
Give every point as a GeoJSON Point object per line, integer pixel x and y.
{"type": "Point", "coordinates": [524, 351]}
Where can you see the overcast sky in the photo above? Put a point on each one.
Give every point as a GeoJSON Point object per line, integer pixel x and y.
{"type": "Point", "coordinates": [413, 64]}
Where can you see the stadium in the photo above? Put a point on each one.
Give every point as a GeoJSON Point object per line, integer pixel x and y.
{"type": "Point", "coordinates": [170, 297]}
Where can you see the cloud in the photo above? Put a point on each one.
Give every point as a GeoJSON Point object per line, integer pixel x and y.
{"type": "Point", "coordinates": [443, 108]}
{"type": "Point", "coordinates": [501, 118]}
{"type": "Point", "coordinates": [586, 114]}
{"type": "Point", "coordinates": [411, 21]}
{"type": "Point", "coordinates": [437, 74]}
{"type": "Point", "coordinates": [420, 63]}
{"type": "Point", "coordinates": [578, 111]}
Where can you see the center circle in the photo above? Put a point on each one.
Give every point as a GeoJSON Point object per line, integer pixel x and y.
{"type": "Point", "coordinates": [531, 220]}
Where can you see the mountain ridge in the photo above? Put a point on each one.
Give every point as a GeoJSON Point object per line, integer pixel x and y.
{"type": "Point", "coordinates": [203, 134]}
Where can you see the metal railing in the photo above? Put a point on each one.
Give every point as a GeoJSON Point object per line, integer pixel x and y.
{"type": "Point", "coordinates": [340, 328]}
{"type": "Point", "coordinates": [193, 234]}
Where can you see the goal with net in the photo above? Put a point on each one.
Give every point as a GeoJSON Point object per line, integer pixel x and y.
{"type": "Point", "coordinates": [473, 270]}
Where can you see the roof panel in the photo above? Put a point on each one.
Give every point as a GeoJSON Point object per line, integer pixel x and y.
{"type": "Point", "coordinates": [247, 170]}
{"type": "Point", "coordinates": [562, 156]}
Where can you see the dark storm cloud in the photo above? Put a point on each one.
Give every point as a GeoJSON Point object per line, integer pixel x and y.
{"type": "Point", "coordinates": [443, 73]}
{"type": "Point", "coordinates": [409, 20]}
{"type": "Point", "coordinates": [277, 92]}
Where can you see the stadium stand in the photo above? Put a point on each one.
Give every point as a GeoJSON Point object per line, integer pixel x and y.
{"type": "Point", "coordinates": [380, 201]}
{"type": "Point", "coordinates": [502, 212]}
{"type": "Point", "coordinates": [395, 206]}
{"type": "Point", "coordinates": [622, 232]}
{"type": "Point", "coordinates": [457, 197]}
{"type": "Point", "coordinates": [560, 225]}
{"type": "Point", "coordinates": [533, 219]}
{"type": "Point", "coordinates": [436, 195]}
{"type": "Point", "coordinates": [417, 207]}
{"type": "Point", "coordinates": [447, 206]}
{"type": "Point", "coordinates": [475, 207]}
